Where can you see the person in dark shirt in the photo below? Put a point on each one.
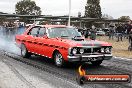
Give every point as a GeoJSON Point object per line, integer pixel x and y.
{"type": "Point", "coordinates": [93, 34]}
{"type": "Point", "coordinates": [111, 32]}
{"type": "Point", "coordinates": [128, 28]}
{"type": "Point", "coordinates": [86, 33]}
{"type": "Point", "coordinates": [119, 31]}
{"type": "Point", "coordinates": [129, 32]}
{"type": "Point", "coordinates": [130, 40]}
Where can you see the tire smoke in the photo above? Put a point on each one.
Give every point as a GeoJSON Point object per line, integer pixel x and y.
{"type": "Point", "coordinates": [7, 39]}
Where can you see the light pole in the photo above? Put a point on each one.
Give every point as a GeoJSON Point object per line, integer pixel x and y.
{"type": "Point", "coordinates": [34, 13]}
{"type": "Point", "coordinates": [34, 19]}
{"type": "Point", "coordinates": [69, 20]}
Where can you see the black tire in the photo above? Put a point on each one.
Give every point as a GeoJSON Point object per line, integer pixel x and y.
{"type": "Point", "coordinates": [24, 52]}
{"type": "Point", "coordinates": [58, 59]}
{"type": "Point", "coordinates": [96, 63]}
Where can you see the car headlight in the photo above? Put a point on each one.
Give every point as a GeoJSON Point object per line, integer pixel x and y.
{"type": "Point", "coordinates": [102, 50]}
{"type": "Point", "coordinates": [74, 51]}
{"type": "Point", "coordinates": [81, 51]}
{"type": "Point", "coordinates": [107, 50]}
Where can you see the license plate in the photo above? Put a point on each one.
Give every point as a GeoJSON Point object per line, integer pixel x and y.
{"type": "Point", "coordinates": [85, 59]}
{"type": "Point", "coordinates": [89, 59]}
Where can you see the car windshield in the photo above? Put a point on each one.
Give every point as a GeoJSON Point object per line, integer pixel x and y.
{"type": "Point", "coordinates": [63, 32]}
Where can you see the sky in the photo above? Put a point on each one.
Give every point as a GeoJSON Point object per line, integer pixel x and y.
{"type": "Point", "coordinates": [114, 8]}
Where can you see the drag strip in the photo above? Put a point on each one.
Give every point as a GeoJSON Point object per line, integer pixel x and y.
{"type": "Point", "coordinates": [50, 70]}
{"type": "Point", "coordinates": [18, 74]}
{"type": "Point", "coordinates": [69, 73]}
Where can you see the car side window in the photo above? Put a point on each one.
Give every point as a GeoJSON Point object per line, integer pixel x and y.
{"type": "Point", "coordinates": [42, 32]}
{"type": "Point", "coordinates": [34, 31]}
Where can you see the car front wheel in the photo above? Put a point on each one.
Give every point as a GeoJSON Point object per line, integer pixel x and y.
{"type": "Point", "coordinates": [24, 52]}
{"type": "Point", "coordinates": [59, 61]}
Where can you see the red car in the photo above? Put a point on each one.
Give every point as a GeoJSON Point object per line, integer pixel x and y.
{"type": "Point", "coordinates": [63, 44]}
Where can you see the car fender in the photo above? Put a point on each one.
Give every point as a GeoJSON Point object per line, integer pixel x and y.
{"type": "Point", "coordinates": [63, 52]}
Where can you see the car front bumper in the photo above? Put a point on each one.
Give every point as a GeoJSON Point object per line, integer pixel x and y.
{"type": "Point", "coordinates": [87, 58]}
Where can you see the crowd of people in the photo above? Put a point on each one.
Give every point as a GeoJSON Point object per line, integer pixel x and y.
{"type": "Point", "coordinates": [118, 32]}
{"type": "Point", "coordinates": [10, 29]}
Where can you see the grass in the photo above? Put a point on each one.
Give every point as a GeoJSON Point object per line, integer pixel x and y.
{"type": "Point", "coordinates": [120, 49]}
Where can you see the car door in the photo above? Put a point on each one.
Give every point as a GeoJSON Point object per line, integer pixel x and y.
{"type": "Point", "coordinates": [41, 40]}
{"type": "Point", "coordinates": [31, 39]}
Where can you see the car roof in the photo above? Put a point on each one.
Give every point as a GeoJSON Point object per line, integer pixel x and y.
{"type": "Point", "coordinates": [46, 26]}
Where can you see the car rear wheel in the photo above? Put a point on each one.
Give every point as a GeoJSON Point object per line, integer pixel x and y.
{"type": "Point", "coordinates": [96, 63]}
{"type": "Point", "coordinates": [59, 61]}
{"type": "Point", "coordinates": [24, 52]}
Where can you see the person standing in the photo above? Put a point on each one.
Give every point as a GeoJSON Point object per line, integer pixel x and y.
{"type": "Point", "coordinates": [130, 40]}
{"type": "Point", "coordinates": [119, 32]}
{"type": "Point", "coordinates": [128, 28]}
{"type": "Point", "coordinates": [93, 33]}
{"type": "Point", "coordinates": [111, 32]}
{"type": "Point", "coordinates": [86, 33]}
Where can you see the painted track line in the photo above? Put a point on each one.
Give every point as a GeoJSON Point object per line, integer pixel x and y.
{"type": "Point", "coordinates": [123, 58]}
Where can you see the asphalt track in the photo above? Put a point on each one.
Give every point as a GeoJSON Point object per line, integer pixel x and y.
{"type": "Point", "coordinates": [44, 69]}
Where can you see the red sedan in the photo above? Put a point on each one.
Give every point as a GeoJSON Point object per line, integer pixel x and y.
{"type": "Point", "coordinates": [63, 44]}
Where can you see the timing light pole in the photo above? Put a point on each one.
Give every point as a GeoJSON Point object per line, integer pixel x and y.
{"type": "Point", "coordinates": [69, 20]}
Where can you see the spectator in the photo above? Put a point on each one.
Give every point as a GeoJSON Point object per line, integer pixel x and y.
{"type": "Point", "coordinates": [128, 28]}
{"type": "Point", "coordinates": [130, 40]}
{"type": "Point", "coordinates": [119, 31]}
{"type": "Point", "coordinates": [86, 33]}
{"type": "Point", "coordinates": [111, 32]}
{"type": "Point", "coordinates": [93, 33]}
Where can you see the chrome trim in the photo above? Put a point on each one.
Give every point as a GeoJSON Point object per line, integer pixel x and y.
{"type": "Point", "coordinates": [108, 55]}
{"type": "Point", "coordinates": [72, 56]}
{"type": "Point", "coordinates": [39, 54]}
{"type": "Point", "coordinates": [90, 56]}
{"type": "Point", "coordinates": [69, 51]}
{"type": "Point", "coordinates": [87, 47]}
{"type": "Point", "coordinates": [47, 32]}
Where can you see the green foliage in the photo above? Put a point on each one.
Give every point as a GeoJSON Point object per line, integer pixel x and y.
{"type": "Point", "coordinates": [2, 19]}
{"type": "Point", "coordinates": [93, 9]}
{"type": "Point", "coordinates": [124, 18]}
{"type": "Point", "coordinates": [27, 7]}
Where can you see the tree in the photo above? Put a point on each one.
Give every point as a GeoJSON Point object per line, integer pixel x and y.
{"type": "Point", "coordinates": [124, 18]}
{"type": "Point", "coordinates": [93, 9]}
{"type": "Point", "coordinates": [27, 7]}
{"type": "Point", "coordinates": [2, 19]}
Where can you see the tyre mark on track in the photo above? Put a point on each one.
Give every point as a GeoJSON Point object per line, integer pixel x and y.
{"type": "Point", "coordinates": [68, 75]}
{"type": "Point", "coordinates": [18, 74]}
{"type": "Point", "coordinates": [120, 61]}
{"type": "Point", "coordinates": [46, 69]}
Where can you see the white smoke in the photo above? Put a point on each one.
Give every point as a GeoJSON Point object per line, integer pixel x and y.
{"type": "Point", "coordinates": [7, 41]}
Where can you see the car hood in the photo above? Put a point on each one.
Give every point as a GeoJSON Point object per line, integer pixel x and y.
{"type": "Point", "coordinates": [86, 43]}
